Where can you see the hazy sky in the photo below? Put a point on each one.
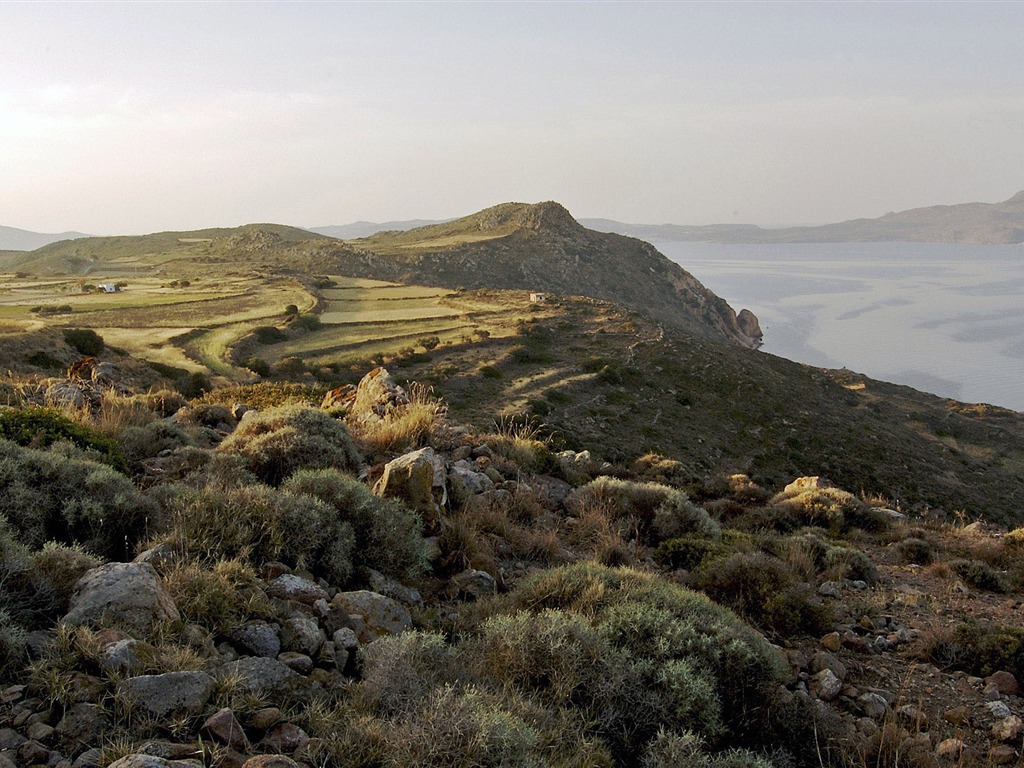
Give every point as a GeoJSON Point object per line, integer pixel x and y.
{"type": "Point", "coordinates": [136, 117]}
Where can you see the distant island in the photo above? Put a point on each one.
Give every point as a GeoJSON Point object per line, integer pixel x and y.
{"type": "Point", "coordinates": [983, 223]}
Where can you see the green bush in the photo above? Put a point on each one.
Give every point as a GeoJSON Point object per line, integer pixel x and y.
{"type": "Point", "coordinates": [399, 672]}
{"type": "Point", "coordinates": [979, 575]}
{"type": "Point", "coordinates": [916, 551]}
{"type": "Point", "coordinates": [674, 644]}
{"type": "Point", "coordinates": [42, 427]}
{"type": "Point", "coordinates": [690, 551]}
{"type": "Point", "coordinates": [290, 366]}
{"type": "Point", "coordinates": [257, 365]}
{"type": "Point", "coordinates": [84, 340]}
{"type": "Point", "coordinates": [267, 394]}
{"type": "Point", "coordinates": [194, 384]}
{"type": "Point", "coordinates": [980, 649]}
{"type": "Point", "coordinates": [657, 512]}
{"type": "Point", "coordinates": [674, 750]}
{"type": "Point", "coordinates": [56, 495]}
{"type": "Point", "coordinates": [256, 524]}
{"type": "Point", "coordinates": [268, 334]}
{"type": "Point", "coordinates": [57, 567]}
{"type": "Point", "coordinates": [490, 372]}
{"type": "Point", "coordinates": [145, 442]}
{"type": "Point", "coordinates": [13, 647]}
{"type": "Point", "coordinates": [763, 589]}
{"type": "Point", "coordinates": [280, 441]}
{"type": "Point", "coordinates": [388, 535]}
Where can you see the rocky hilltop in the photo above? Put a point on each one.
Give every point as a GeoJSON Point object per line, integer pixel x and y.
{"type": "Point", "coordinates": [543, 248]}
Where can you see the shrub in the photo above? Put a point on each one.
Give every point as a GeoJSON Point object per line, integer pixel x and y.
{"type": "Point", "coordinates": [290, 366]}
{"type": "Point", "coordinates": [654, 622]}
{"type": "Point", "coordinates": [267, 394]}
{"type": "Point", "coordinates": [656, 511]}
{"type": "Point", "coordinates": [979, 575]}
{"type": "Point", "coordinates": [690, 551]}
{"type": "Point", "coordinates": [194, 384]}
{"type": "Point", "coordinates": [85, 341]}
{"type": "Point", "coordinates": [56, 495]}
{"type": "Point", "coordinates": [257, 365]}
{"type": "Point", "coordinates": [849, 563]}
{"type": "Point", "coordinates": [42, 427]}
{"type": "Point", "coordinates": [916, 551]}
{"type": "Point", "coordinates": [763, 590]}
{"type": "Point", "coordinates": [820, 507]}
{"type": "Point", "coordinates": [673, 750]}
{"type": "Point", "coordinates": [146, 442]}
{"type": "Point", "coordinates": [399, 672]}
{"type": "Point", "coordinates": [268, 334]}
{"type": "Point", "coordinates": [388, 535]}
{"type": "Point", "coordinates": [257, 524]}
{"type": "Point", "coordinates": [280, 441]}
{"type": "Point", "coordinates": [490, 372]}
{"type": "Point", "coordinates": [980, 650]}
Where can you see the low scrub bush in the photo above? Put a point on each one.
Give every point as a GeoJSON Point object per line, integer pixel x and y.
{"type": "Point", "coordinates": [388, 535]}
{"type": "Point", "coordinates": [257, 524]}
{"type": "Point", "coordinates": [13, 646]}
{"type": "Point", "coordinates": [57, 495]}
{"type": "Point", "coordinates": [85, 341]}
{"type": "Point", "coordinates": [764, 590]}
{"type": "Point", "coordinates": [671, 645]}
{"type": "Point", "coordinates": [817, 507]}
{"type": "Point", "coordinates": [978, 649]}
{"type": "Point", "coordinates": [979, 575]}
{"type": "Point", "coordinates": [656, 512]}
{"type": "Point", "coordinates": [268, 334]}
{"type": "Point", "coordinates": [690, 551]}
{"type": "Point", "coordinates": [280, 441]}
{"type": "Point", "coordinates": [56, 568]}
{"type": "Point", "coordinates": [42, 427]}
{"type": "Point", "coordinates": [146, 442]}
{"type": "Point", "coordinates": [266, 395]}
{"type": "Point", "coordinates": [916, 551]}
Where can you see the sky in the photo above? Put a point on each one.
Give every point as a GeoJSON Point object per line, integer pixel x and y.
{"type": "Point", "coordinates": [125, 118]}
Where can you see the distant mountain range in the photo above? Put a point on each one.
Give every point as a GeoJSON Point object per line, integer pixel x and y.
{"type": "Point", "coordinates": [12, 239]}
{"type": "Point", "coordinates": [992, 223]}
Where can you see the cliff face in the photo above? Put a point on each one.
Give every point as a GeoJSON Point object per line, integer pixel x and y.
{"type": "Point", "coordinates": [542, 247]}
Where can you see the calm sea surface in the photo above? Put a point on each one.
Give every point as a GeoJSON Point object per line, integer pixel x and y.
{"type": "Point", "coordinates": [947, 319]}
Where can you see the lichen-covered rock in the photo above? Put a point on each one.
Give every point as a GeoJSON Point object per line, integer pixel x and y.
{"type": "Point", "coordinates": [169, 693]}
{"type": "Point", "coordinates": [380, 615]}
{"type": "Point", "coordinates": [807, 484]}
{"type": "Point", "coordinates": [288, 586]}
{"type": "Point", "coordinates": [302, 634]}
{"type": "Point", "coordinates": [258, 638]}
{"type": "Point", "coordinates": [123, 594]}
{"type": "Point", "coordinates": [418, 479]}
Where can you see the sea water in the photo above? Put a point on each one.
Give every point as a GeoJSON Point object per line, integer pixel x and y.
{"type": "Point", "coordinates": [943, 318]}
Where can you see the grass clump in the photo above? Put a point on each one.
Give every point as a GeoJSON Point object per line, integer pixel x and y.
{"type": "Point", "coordinates": [282, 440]}
{"type": "Point", "coordinates": [257, 524]}
{"type": "Point", "coordinates": [915, 551]}
{"type": "Point", "coordinates": [655, 512]}
{"type": "Point", "coordinates": [388, 536]}
{"type": "Point", "coordinates": [218, 598]}
{"type": "Point", "coordinates": [979, 575]}
{"type": "Point", "coordinates": [690, 551]}
{"type": "Point", "coordinates": [978, 649]}
{"type": "Point", "coordinates": [266, 395]}
{"type": "Point", "coordinates": [402, 427]}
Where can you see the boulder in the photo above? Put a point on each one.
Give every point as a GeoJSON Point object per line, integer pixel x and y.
{"type": "Point", "coordinates": [224, 727]}
{"type": "Point", "coordinates": [65, 394]}
{"type": "Point", "coordinates": [418, 479]}
{"type": "Point", "coordinates": [873, 705]}
{"type": "Point", "coordinates": [1002, 754]}
{"type": "Point", "coordinates": [825, 660]}
{"type": "Point", "coordinates": [377, 395]}
{"type": "Point", "coordinates": [466, 481]}
{"type": "Point", "coordinates": [270, 761]}
{"type": "Point", "coordinates": [807, 484]}
{"type": "Point", "coordinates": [825, 685]}
{"type": "Point", "coordinates": [288, 586]}
{"type": "Point", "coordinates": [302, 634]}
{"type": "Point", "coordinates": [749, 325]}
{"type": "Point", "coordinates": [169, 693]}
{"type": "Point", "coordinates": [341, 397]}
{"type": "Point", "coordinates": [1007, 729]}
{"type": "Point", "coordinates": [384, 585]}
{"type": "Point", "coordinates": [950, 749]}
{"type": "Point", "coordinates": [284, 737]}
{"type": "Point", "coordinates": [1004, 682]}
{"type": "Point", "coordinates": [380, 615]}
{"type": "Point", "coordinates": [82, 725]}
{"type": "Point", "coordinates": [475, 584]}
{"type": "Point", "coordinates": [126, 656]}
{"type": "Point", "coordinates": [126, 594]}
{"type": "Point", "coordinates": [151, 761]}
{"type": "Point", "coordinates": [258, 638]}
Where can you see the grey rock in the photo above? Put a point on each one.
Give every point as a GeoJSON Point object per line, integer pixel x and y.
{"type": "Point", "coordinates": [873, 705]}
{"type": "Point", "coordinates": [127, 594]}
{"type": "Point", "coordinates": [10, 739]}
{"type": "Point", "coordinates": [475, 584]}
{"type": "Point", "coordinates": [123, 656]}
{"type": "Point", "coordinates": [998, 709]}
{"type": "Point", "coordinates": [225, 728]}
{"type": "Point", "coordinates": [380, 615]}
{"type": "Point", "coordinates": [302, 634]}
{"type": "Point", "coordinates": [88, 759]}
{"type": "Point", "coordinates": [418, 479]}
{"type": "Point", "coordinates": [830, 589]}
{"type": "Point", "coordinates": [288, 586]}
{"type": "Point", "coordinates": [169, 693]}
{"type": "Point", "coordinates": [82, 725]}
{"type": "Point", "coordinates": [300, 662]}
{"type": "Point", "coordinates": [825, 660]}
{"type": "Point", "coordinates": [825, 685]}
{"type": "Point", "coordinates": [388, 587]}
{"type": "Point", "coordinates": [258, 638]}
